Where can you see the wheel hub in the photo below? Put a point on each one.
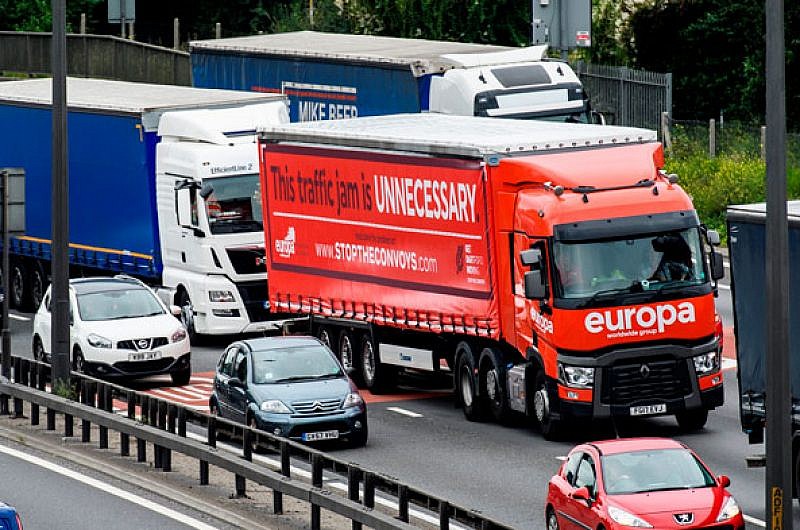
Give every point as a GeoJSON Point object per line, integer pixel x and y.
{"type": "Point", "coordinates": [347, 353]}
{"type": "Point", "coordinates": [466, 387]}
{"type": "Point", "coordinates": [541, 406]}
{"type": "Point", "coordinates": [368, 359]}
{"type": "Point", "coordinates": [492, 389]}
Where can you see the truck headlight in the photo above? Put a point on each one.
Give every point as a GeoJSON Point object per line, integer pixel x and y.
{"type": "Point", "coordinates": [353, 399]}
{"type": "Point", "coordinates": [627, 519]}
{"type": "Point", "coordinates": [576, 376]}
{"type": "Point", "coordinates": [97, 341]}
{"type": "Point", "coordinates": [221, 296]}
{"type": "Point", "coordinates": [707, 363]}
{"type": "Point", "coordinates": [275, 406]}
{"type": "Point", "coordinates": [729, 509]}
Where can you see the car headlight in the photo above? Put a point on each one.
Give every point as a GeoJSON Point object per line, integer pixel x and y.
{"type": "Point", "coordinates": [98, 342]}
{"type": "Point", "coordinates": [706, 363]}
{"type": "Point", "coordinates": [627, 519]}
{"type": "Point", "coordinates": [353, 399]}
{"type": "Point", "coordinates": [221, 296]}
{"type": "Point", "coordinates": [178, 335]}
{"type": "Point", "coordinates": [576, 376]}
{"type": "Point", "coordinates": [275, 406]}
{"type": "Point", "coordinates": [729, 509]}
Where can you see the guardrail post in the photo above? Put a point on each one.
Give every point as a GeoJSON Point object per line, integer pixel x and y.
{"type": "Point", "coordinates": [51, 420]}
{"type": "Point", "coordinates": [203, 473]}
{"type": "Point", "coordinates": [402, 502]}
{"type": "Point", "coordinates": [181, 422]}
{"type": "Point", "coordinates": [316, 481]}
{"type": "Point", "coordinates": [277, 496]}
{"type": "Point", "coordinates": [41, 379]}
{"type": "Point", "coordinates": [17, 379]}
{"type": "Point", "coordinates": [86, 427]}
{"type": "Point", "coordinates": [353, 483]}
{"type": "Point", "coordinates": [212, 431]}
{"type": "Point", "coordinates": [102, 398]}
{"type": "Point", "coordinates": [130, 397]}
{"type": "Point", "coordinates": [155, 420]}
{"type": "Point", "coordinates": [369, 490]}
{"type": "Point", "coordinates": [124, 444]}
{"type": "Point", "coordinates": [241, 486]}
{"type": "Point", "coordinates": [68, 426]}
{"type": "Point", "coordinates": [444, 515]}
{"type": "Point", "coordinates": [141, 450]}
{"type": "Point", "coordinates": [171, 417]}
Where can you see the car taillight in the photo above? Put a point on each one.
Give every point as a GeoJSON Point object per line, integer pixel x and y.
{"type": "Point", "coordinates": [718, 330]}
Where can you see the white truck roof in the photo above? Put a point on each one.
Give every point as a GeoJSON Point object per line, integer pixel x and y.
{"type": "Point", "coordinates": [423, 56]}
{"type": "Point", "coordinates": [454, 135]}
{"type": "Point", "coordinates": [125, 97]}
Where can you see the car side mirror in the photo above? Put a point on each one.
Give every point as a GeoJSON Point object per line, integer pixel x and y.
{"type": "Point", "coordinates": [582, 494]}
{"type": "Point", "coordinates": [717, 266]}
{"type": "Point", "coordinates": [724, 481]}
{"type": "Point", "coordinates": [175, 310]}
{"type": "Point", "coordinates": [534, 285]}
{"type": "Point", "coordinates": [235, 382]}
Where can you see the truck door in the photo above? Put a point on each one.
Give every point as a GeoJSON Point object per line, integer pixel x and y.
{"type": "Point", "coordinates": [532, 320]}
{"type": "Point", "coordinates": [188, 245]}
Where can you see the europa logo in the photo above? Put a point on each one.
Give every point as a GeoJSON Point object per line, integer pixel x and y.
{"type": "Point", "coordinates": [640, 320]}
{"type": "Point", "coordinates": [285, 247]}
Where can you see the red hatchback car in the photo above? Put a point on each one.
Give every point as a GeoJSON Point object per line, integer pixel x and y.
{"type": "Point", "coordinates": [638, 483]}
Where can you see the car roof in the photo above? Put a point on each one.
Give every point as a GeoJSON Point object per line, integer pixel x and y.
{"type": "Point", "coordinates": [281, 342]}
{"type": "Point", "coordinates": [97, 285]}
{"type": "Point", "coordinates": [627, 445]}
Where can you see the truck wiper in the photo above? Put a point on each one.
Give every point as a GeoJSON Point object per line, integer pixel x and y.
{"type": "Point", "coordinates": [619, 290]}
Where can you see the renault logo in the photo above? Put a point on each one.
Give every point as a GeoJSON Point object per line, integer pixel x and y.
{"type": "Point", "coordinates": [645, 371]}
{"type": "Point", "coordinates": [684, 518]}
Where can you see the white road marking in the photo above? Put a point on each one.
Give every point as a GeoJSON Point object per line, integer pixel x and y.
{"type": "Point", "coordinates": [404, 412]}
{"type": "Point", "coordinates": [724, 287]}
{"type": "Point", "coordinates": [728, 364]}
{"type": "Point", "coordinates": [562, 458]}
{"type": "Point", "coordinates": [19, 317]}
{"type": "Point", "coordinates": [179, 393]}
{"type": "Point", "coordinates": [753, 520]}
{"type": "Point", "coordinates": [108, 488]}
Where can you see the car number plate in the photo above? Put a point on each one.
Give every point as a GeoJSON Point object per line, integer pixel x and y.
{"type": "Point", "coordinates": [645, 410]}
{"type": "Point", "coordinates": [144, 355]}
{"type": "Point", "coordinates": [322, 435]}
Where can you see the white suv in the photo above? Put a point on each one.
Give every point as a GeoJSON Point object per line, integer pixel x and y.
{"type": "Point", "coordinates": [118, 327]}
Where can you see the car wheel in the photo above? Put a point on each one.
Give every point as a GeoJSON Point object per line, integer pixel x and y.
{"type": "Point", "coordinates": [473, 405]}
{"type": "Point", "coordinates": [38, 350]}
{"type": "Point", "coordinates": [38, 286]}
{"type": "Point", "coordinates": [347, 354]}
{"type": "Point", "coordinates": [257, 447]}
{"type": "Point", "coordinates": [18, 286]}
{"type": "Point", "coordinates": [182, 377]}
{"type": "Point", "coordinates": [492, 381]}
{"type": "Point", "coordinates": [377, 377]}
{"type": "Point", "coordinates": [187, 316]}
{"type": "Point", "coordinates": [78, 362]}
{"type": "Point", "coordinates": [213, 409]}
{"type": "Point", "coordinates": [692, 420]}
{"type": "Point", "coordinates": [552, 520]}
{"type": "Point", "coordinates": [550, 428]}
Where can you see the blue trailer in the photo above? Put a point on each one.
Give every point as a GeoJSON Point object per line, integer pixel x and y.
{"type": "Point", "coordinates": [139, 158]}
{"type": "Point", "coordinates": [335, 76]}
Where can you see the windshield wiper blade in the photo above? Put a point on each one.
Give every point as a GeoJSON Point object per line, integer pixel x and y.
{"type": "Point", "coordinates": [295, 378]}
{"type": "Point", "coordinates": [602, 294]}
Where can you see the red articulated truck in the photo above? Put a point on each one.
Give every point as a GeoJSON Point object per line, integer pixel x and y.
{"type": "Point", "coordinates": [554, 268]}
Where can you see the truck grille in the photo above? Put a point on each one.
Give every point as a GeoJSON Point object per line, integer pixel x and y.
{"type": "Point", "coordinates": [317, 406]}
{"type": "Point", "coordinates": [254, 295]}
{"type": "Point", "coordinates": [142, 344]}
{"type": "Point", "coordinates": [632, 383]}
{"type": "Point", "coordinates": [248, 260]}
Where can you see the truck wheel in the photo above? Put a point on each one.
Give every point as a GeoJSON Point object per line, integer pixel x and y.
{"type": "Point", "coordinates": [551, 428]}
{"type": "Point", "coordinates": [692, 420]}
{"type": "Point", "coordinates": [38, 285]}
{"type": "Point", "coordinates": [346, 355]}
{"type": "Point", "coordinates": [492, 384]}
{"type": "Point", "coordinates": [18, 285]}
{"type": "Point", "coordinates": [187, 316]}
{"type": "Point", "coordinates": [466, 389]}
{"type": "Point", "coordinates": [377, 377]}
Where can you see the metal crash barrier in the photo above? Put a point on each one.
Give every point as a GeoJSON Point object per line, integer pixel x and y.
{"type": "Point", "coordinates": [155, 421]}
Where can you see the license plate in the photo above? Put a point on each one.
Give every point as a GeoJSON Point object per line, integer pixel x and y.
{"type": "Point", "coordinates": [322, 435]}
{"type": "Point", "coordinates": [645, 410]}
{"type": "Point", "coordinates": [144, 355]}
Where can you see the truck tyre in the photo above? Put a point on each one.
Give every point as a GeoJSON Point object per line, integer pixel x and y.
{"type": "Point", "coordinates": [38, 285]}
{"type": "Point", "coordinates": [493, 386]}
{"type": "Point", "coordinates": [377, 377]}
{"type": "Point", "coordinates": [466, 388]}
{"type": "Point", "coordinates": [692, 420]}
{"type": "Point", "coordinates": [550, 428]}
{"type": "Point", "coordinates": [187, 316]}
{"type": "Point", "coordinates": [18, 285]}
{"type": "Point", "coordinates": [346, 354]}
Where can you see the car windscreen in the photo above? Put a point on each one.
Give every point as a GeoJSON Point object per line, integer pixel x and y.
{"type": "Point", "coordinates": [653, 470]}
{"type": "Point", "coordinates": [303, 363]}
{"type": "Point", "coordinates": [117, 304]}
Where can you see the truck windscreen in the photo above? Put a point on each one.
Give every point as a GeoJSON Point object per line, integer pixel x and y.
{"type": "Point", "coordinates": [234, 205]}
{"type": "Point", "coordinates": [652, 262]}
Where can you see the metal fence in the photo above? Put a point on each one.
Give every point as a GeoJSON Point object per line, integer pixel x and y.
{"type": "Point", "coordinates": [628, 97]}
{"type": "Point", "coordinates": [101, 56]}
{"type": "Point", "coordinates": [163, 424]}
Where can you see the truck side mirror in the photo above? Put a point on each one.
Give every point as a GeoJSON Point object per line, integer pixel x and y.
{"type": "Point", "coordinates": [532, 256]}
{"type": "Point", "coordinates": [534, 285]}
{"type": "Point", "coordinates": [717, 266]}
{"type": "Point", "coordinates": [206, 191]}
{"type": "Point", "coordinates": [713, 238]}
